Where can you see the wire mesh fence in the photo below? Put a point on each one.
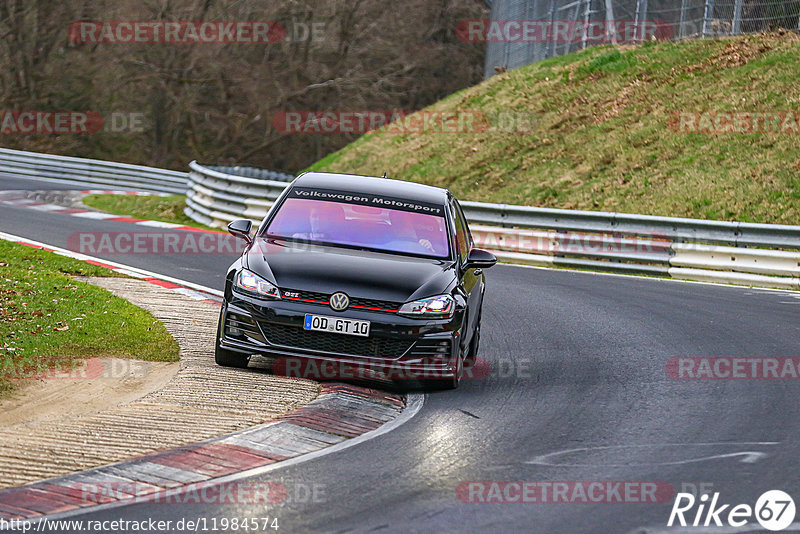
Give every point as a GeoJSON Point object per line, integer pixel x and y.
{"type": "Point", "coordinates": [524, 31]}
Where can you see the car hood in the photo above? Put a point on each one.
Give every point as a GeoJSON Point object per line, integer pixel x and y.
{"type": "Point", "coordinates": [358, 273]}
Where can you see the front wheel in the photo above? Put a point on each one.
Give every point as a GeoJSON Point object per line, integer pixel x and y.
{"type": "Point", "coordinates": [474, 345]}
{"type": "Point", "coordinates": [229, 358]}
{"type": "Point", "coordinates": [448, 382]}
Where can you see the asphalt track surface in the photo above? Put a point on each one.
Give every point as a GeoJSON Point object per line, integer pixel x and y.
{"type": "Point", "coordinates": [578, 362]}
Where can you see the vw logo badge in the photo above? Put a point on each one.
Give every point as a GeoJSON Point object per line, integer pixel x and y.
{"type": "Point", "coordinates": [339, 301]}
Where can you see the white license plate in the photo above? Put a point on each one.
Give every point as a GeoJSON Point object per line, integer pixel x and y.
{"type": "Point", "coordinates": [337, 325]}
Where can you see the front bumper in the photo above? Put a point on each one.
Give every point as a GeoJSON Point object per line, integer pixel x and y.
{"type": "Point", "coordinates": [397, 347]}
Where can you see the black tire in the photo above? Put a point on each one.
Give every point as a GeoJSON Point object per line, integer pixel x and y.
{"type": "Point", "coordinates": [224, 357]}
{"type": "Point", "coordinates": [447, 383]}
{"type": "Point", "coordinates": [474, 345]}
{"type": "Point", "coordinates": [229, 358]}
{"type": "Point", "coordinates": [452, 383]}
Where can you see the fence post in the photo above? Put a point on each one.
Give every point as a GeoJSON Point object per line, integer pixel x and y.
{"type": "Point", "coordinates": [737, 18]}
{"type": "Point", "coordinates": [683, 20]}
{"type": "Point", "coordinates": [586, 9]}
{"type": "Point", "coordinates": [643, 22]}
{"type": "Point", "coordinates": [552, 51]}
{"type": "Point", "coordinates": [610, 20]}
{"type": "Point", "coordinates": [708, 15]}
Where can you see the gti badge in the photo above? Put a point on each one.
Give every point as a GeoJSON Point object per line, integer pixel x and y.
{"type": "Point", "coordinates": [339, 301]}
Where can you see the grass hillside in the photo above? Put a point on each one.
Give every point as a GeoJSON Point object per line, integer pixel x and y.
{"type": "Point", "coordinates": [597, 130]}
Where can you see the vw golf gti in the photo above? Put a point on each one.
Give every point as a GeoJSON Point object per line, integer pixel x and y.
{"type": "Point", "coordinates": [374, 275]}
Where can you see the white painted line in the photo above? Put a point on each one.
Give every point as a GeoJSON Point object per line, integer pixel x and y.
{"type": "Point", "coordinates": [96, 215]}
{"type": "Point", "coordinates": [749, 457]}
{"type": "Point", "coordinates": [414, 403]}
{"type": "Point", "coordinates": [142, 273]}
{"type": "Point", "coordinates": [159, 224]}
{"type": "Point", "coordinates": [49, 207]}
{"type": "Point", "coordinates": [127, 193]}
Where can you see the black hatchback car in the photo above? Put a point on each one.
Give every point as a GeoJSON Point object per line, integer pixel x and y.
{"type": "Point", "coordinates": [354, 276]}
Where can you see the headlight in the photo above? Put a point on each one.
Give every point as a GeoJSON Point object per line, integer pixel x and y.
{"type": "Point", "coordinates": [441, 306]}
{"type": "Point", "coordinates": [250, 283]}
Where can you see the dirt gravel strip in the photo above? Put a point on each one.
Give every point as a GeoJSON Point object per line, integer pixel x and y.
{"type": "Point", "coordinates": [202, 400]}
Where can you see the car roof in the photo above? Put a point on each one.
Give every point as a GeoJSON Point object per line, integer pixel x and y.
{"type": "Point", "coordinates": [354, 183]}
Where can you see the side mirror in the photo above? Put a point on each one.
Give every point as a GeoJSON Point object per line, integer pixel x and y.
{"type": "Point", "coordinates": [480, 259]}
{"type": "Point", "coordinates": [241, 228]}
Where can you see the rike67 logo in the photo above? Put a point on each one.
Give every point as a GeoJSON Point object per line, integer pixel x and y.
{"type": "Point", "coordinates": [774, 511]}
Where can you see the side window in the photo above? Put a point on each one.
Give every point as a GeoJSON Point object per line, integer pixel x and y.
{"type": "Point", "coordinates": [463, 238]}
{"type": "Point", "coordinates": [460, 212]}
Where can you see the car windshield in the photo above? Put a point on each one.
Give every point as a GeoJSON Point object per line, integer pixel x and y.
{"type": "Point", "coordinates": [353, 225]}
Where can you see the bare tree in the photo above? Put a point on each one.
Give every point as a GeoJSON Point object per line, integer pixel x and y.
{"type": "Point", "coordinates": [216, 102]}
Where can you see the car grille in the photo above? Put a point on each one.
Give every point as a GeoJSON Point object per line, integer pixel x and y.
{"type": "Point", "coordinates": [296, 337]}
{"type": "Point", "coordinates": [242, 327]}
{"type": "Point", "coordinates": [355, 302]}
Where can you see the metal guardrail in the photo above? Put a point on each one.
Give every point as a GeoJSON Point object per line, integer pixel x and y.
{"type": "Point", "coordinates": [677, 229]}
{"type": "Point", "coordinates": [220, 197]}
{"type": "Point", "coordinates": [92, 172]}
{"type": "Point", "coordinates": [618, 242]}
{"type": "Point", "coordinates": [733, 252]}
{"type": "Point", "coordinates": [251, 172]}
{"type": "Point", "coordinates": [215, 197]}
